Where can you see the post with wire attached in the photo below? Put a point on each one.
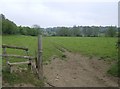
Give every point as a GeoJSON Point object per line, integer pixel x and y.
{"type": "Point", "coordinates": [40, 64]}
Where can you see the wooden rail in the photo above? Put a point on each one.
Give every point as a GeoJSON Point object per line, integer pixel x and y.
{"type": "Point", "coordinates": [18, 63]}
{"type": "Point", "coordinates": [14, 47]}
{"type": "Point", "coordinates": [18, 56]}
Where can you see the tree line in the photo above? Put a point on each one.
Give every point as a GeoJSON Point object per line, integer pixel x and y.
{"type": "Point", "coordinates": [9, 27]}
{"type": "Point", "coordinates": [83, 31]}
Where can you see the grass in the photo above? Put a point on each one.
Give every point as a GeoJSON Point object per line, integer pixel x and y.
{"type": "Point", "coordinates": [98, 46]}
{"type": "Point", "coordinates": [113, 70]}
{"type": "Point", "coordinates": [31, 43]}
{"type": "Point", "coordinates": [103, 47]}
{"type": "Point", "coordinates": [23, 77]}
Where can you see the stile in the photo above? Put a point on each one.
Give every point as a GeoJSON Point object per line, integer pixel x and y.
{"type": "Point", "coordinates": [11, 65]}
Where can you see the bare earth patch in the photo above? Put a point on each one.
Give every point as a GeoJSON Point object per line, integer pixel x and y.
{"type": "Point", "coordinates": [78, 71]}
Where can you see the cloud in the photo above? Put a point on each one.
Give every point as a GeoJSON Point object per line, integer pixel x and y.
{"type": "Point", "coordinates": [48, 13]}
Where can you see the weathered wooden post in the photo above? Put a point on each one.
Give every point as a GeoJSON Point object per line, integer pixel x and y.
{"type": "Point", "coordinates": [39, 64]}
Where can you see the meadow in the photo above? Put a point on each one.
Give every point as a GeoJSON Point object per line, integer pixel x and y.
{"type": "Point", "coordinates": [92, 46]}
{"type": "Point", "coordinates": [102, 47]}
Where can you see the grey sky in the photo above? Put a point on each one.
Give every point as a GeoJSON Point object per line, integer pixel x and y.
{"type": "Point", "coordinates": [49, 13]}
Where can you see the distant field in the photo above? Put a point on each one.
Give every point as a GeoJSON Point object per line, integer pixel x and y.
{"type": "Point", "coordinates": [92, 46]}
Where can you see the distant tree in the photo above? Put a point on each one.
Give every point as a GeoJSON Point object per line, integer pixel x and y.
{"type": "Point", "coordinates": [84, 31]}
{"type": "Point", "coordinates": [118, 30]}
{"type": "Point", "coordinates": [37, 29]}
{"type": "Point", "coordinates": [76, 31]}
{"type": "Point", "coordinates": [9, 27]}
{"type": "Point", "coordinates": [95, 31]}
{"type": "Point", "coordinates": [63, 31]}
{"type": "Point", "coordinates": [87, 31]}
{"type": "Point", "coordinates": [111, 31]}
{"type": "Point", "coordinates": [28, 31]}
{"type": "Point", "coordinates": [20, 29]}
{"type": "Point", "coordinates": [2, 16]}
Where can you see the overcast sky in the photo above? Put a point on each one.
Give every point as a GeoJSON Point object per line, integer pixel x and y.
{"type": "Point", "coordinates": [50, 13]}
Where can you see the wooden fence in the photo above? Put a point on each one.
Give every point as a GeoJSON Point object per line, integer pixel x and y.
{"type": "Point", "coordinates": [38, 59]}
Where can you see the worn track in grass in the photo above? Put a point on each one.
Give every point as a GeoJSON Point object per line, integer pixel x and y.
{"type": "Point", "coordinates": [78, 71]}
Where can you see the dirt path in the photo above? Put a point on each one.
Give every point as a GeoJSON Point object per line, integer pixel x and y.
{"type": "Point", "coordinates": [78, 71]}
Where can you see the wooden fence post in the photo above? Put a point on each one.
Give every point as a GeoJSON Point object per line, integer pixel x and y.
{"type": "Point", "coordinates": [40, 65]}
{"type": "Point", "coordinates": [4, 52]}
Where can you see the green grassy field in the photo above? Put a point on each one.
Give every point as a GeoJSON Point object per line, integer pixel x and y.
{"type": "Point", "coordinates": [101, 47]}
{"type": "Point", "coordinates": [31, 43]}
{"type": "Point", "coordinates": [91, 46]}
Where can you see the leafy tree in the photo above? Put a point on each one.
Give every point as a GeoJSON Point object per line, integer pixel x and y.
{"type": "Point", "coordinates": [37, 29]}
{"type": "Point", "coordinates": [87, 31]}
{"type": "Point", "coordinates": [111, 32]}
{"type": "Point", "coordinates": [28, 31]}
{"type": "Point", "coordinates": [8, 27]}
{"type": "Point", "coordinates": [118, 30]}
{"type": "Point", "coordinates": [2, 16]}
{"type": "Point", "coordinates": [63, 31]}
{"type": "Point", "coordinates": [76, 31]}
{"type": "Point", "coordinates": [95, 31]}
